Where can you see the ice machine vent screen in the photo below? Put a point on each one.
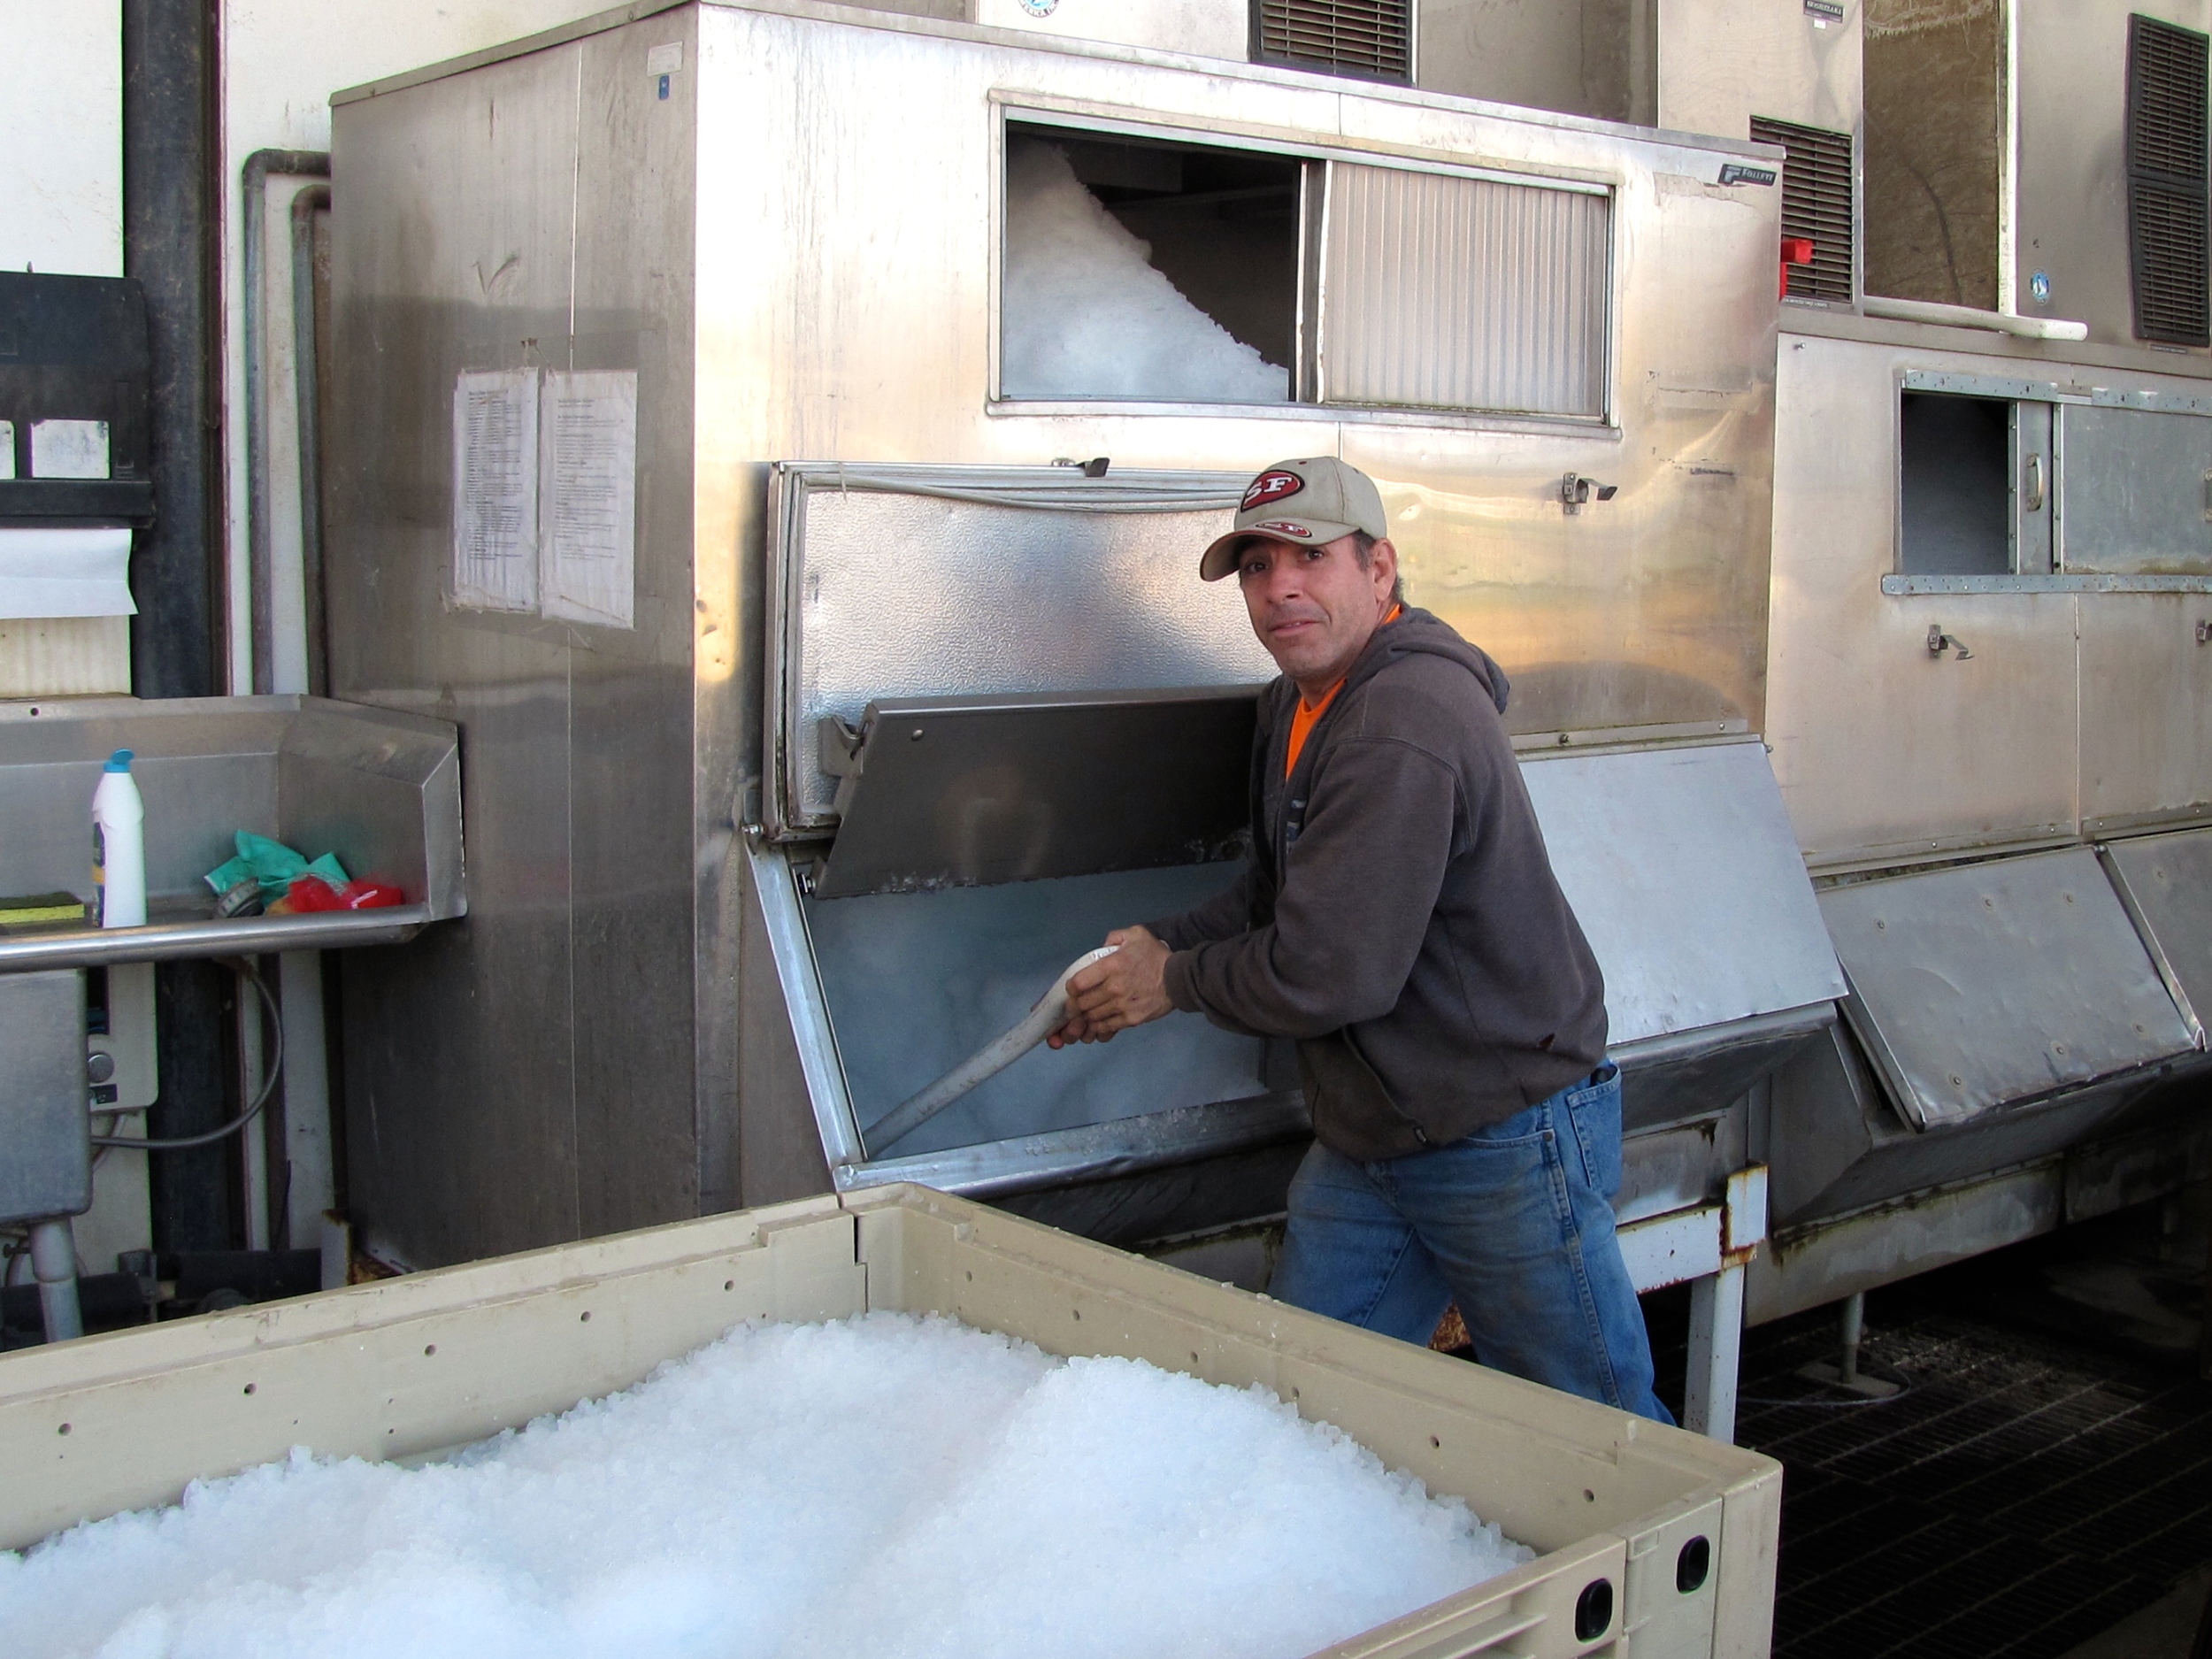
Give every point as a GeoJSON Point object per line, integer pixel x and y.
{"type": "Point", "coordinates": [1372, 38]}
{"type": "Point", "coordinates": [1817, 202]}
{"type": "Point", "coordinates": [2167, 219]}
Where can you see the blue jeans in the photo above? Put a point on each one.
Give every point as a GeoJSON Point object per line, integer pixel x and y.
{"type": "Point", "coordinates": [1515, 1222]}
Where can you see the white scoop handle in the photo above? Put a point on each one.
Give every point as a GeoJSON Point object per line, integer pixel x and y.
{"type": "Point", "coordinates": [1050, 1014]}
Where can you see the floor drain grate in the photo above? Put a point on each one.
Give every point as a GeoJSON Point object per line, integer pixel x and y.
{"type": "Point", "coordinates": [2026, 1493]}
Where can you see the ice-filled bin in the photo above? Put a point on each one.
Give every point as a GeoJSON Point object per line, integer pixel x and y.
{"type": "Point", "coordinates": [1651, 1541]}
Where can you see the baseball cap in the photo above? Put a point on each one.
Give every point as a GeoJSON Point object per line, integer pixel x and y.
{"type": "Point", "coordinates": [1313, 501]}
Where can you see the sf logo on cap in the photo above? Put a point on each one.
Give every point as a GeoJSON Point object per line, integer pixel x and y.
{"type": "Point", "coordinates": [1271, 487]}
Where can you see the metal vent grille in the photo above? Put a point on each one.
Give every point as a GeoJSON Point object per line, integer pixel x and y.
{"type": "Point", "coordinates": [2167, 218]}
{"type": "Point", "coordinates": [1371, 38]}
{"type": "Point", "coordinates": [1817, 204]}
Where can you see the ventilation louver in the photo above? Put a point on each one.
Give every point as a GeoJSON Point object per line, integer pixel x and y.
{"type": "Point", "coordinates": [1370, 38]}
{"type": "Point", "coordinates": [1817, 204]}
{"type": "Point", "coordinates": [2167, 218]}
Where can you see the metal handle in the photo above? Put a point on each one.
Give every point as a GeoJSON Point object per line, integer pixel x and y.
{"type": "Point", "coordinates": [2035, 483]}
{"type": "Point", "coordinates": [1575, 492]}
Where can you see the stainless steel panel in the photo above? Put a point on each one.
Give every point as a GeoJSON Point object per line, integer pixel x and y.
{"type": "Point", "coordinates": [2001, 981]}
{"type": "Point", "coordinates": [2069, 214]}
{"type": "Point", "coordinates": [906, 587]}
{"type": "Point", "coordinates": [1584, 58]}
{"type": "Point", "coordinates": [2135, 491]}
{"type": "Point", "coordinates": [1675, 1168]}
{"type": "Point", "coordinates": [1456, 292]}
{"type": "Point", "coordinates": [783, 291]}
{"type": "Point", "coordinates": [1836, 1144]}
{"type": "Point", "coordinates": [1680, 865]}
{"type": "Point", "coordinates": [380, 790]}
{"type": "Point", "coordinates": [1827, 1260]}
{"type": "Point", "coordinates": [45, 1134]}
{"type": "Point", "coordinates": [1823, 1114]}
{"type": "Point", "coordinates": [1721, 62]}
{"type": "Point", "coordinates": [957, 792]}
{"type": "Point", "coordinates": [1095, 1152]}
{"type": "Point", "coordinates": [2166, 882]}
{"type": "Point", "coordinates": [2146, 711]}
{"type": "Point", "coordinates": [1885, 753]}
{"type": "Point", "coordinates": [542, 1114]}
{"type": "Point", "coordinates": [1647, 610]}
{"type": "Point", "coordinates": [2134, 1168]}
{"type": "Point", "coordinates": [787, 958]}
{"type": "Point", "coordinates": [1695, 1073]}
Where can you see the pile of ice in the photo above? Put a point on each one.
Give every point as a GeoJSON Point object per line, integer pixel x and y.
{"type": "Point", "coordinates": [1087, 315]}
{"type": "Point", "coordinates": [886, 1484]}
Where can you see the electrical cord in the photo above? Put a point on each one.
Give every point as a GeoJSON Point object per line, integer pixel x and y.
{"type": "Point", "coordinates": [246, 971]}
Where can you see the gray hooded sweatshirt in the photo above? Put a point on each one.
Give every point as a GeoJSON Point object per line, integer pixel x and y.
{"type": "Point", "coordinates": [1399, 917]}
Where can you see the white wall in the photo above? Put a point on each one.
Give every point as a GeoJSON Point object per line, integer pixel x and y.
{"type": "Point", "coordinates": [61, 136]}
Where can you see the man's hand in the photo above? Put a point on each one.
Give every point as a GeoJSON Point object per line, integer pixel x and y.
{"type": "Point", "coordinates": [1124, 990]}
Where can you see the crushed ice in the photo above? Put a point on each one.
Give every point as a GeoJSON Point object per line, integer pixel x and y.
{"type": "Point", "coordinates": [887, 1484]}
{"type": "Point", "coordinates": [1087, 315]}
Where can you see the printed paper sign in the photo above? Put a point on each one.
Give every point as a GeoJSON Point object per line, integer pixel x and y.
{"type": "Point", "coordinates": [587, 494]}
{"type": "Point", "coordinates": [496, 489]}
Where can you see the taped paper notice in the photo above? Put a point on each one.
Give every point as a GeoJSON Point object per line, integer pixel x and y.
{"type": "Point", "coordinates": [69, 449]}
{"type": "Point", "coordinates": [587, 496]}
{"type": "Point", "coordinates": [7, 448]}
{"type": "Point", "coordinates": [73, 572]}
{"type": "Point", "coordinates": [496, 489]}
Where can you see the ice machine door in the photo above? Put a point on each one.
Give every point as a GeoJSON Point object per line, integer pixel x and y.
{"type": "Point", "coordinates": [1985, 984]}
{"type": "Point", "coordinates": [1683, 871]}
{"type": "Point", "coordinates": [965, 581]}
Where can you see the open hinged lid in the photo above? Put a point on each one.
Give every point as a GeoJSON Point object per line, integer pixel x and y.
{"type": "Point", "coordinates": [1684, 874]}
{"type": "Point", "coordinates": [1984, 983]}
{"type": "Point", "coordinates": [964, 791]}
{"type": "Point", "coordinates": [1018, 618]}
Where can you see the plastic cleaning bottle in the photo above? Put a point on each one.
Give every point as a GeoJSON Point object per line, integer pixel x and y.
{"type": "Point", "coordinates": [119, 845]}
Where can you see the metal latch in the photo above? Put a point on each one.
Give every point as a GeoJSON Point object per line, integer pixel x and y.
{"type": "Point", "coordinates": [1575, 490]}
{"type": "Point", "coordinates": [840, 750]}
{"type": "Point", "coordinates": [1938, 642]}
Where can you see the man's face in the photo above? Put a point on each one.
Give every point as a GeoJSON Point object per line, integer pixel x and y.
{"type": "Point", "coordinates": [1314, 608]}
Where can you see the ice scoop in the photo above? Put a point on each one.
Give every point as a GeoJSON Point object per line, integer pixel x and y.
{"type": "Point", "coordinates": [1050, 1014]}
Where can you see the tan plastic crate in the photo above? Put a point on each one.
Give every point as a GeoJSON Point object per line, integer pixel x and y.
{"type": "Point", "coordinates": [410, 1366]}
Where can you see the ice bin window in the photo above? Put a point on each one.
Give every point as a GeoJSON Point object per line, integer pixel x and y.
{"type": "Point", "coordinates": [1151, 271]}
{"type": "Point", "coordinates": [1957, 507]}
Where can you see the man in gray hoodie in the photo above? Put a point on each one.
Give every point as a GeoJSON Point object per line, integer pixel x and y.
{"type": "Point", "coordinates": [1400, 921]}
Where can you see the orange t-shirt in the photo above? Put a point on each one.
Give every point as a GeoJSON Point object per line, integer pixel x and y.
{"type": "Point", "coordinates": [1307, 715]}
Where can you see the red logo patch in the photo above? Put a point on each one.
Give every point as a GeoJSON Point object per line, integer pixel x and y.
{"type": "Point", "coordinates": [1283, 526]}
{"type": "Point", "coordinates": [1271, 487]}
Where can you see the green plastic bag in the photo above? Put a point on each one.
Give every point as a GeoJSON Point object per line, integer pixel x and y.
{"type": "Point", "coordinates": [274, 865]}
